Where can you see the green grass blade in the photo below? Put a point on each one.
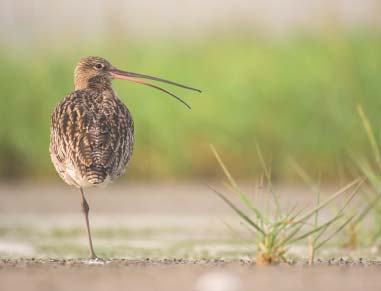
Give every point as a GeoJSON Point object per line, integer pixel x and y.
{"type": "Point", "coordinates": [303, 175]}
{"type": "Point", "coordinates": [290, 209]}
{"type": "Point", "coordinates": [335, 232]}
{"type": "Point", "coordinates": [320, 234]}
{"type": "Point", "coordinates": [236, 233]}
{"type": "Point", "coordinates": [315, 230]}
{"type": "Point", "coordinates": [351, 196]}
{"type": "Point", "coordinates": [341, 210]}
{"type": "Point", "coordinates": [234, 185]}
{"type": "Point", "coordinates": [238, 211]}
{"type": "Point", "coordinates": [300, 211]}
{"type": "Point", "coordinates": [247, 202]}
{"type": "Point", "coordinates": [224, 168]}
{"type": "Point", "coordinates": [291, 235]}
{"type": "Point", "coordinates": [369, 173]}
{"type": "Point", "coordinates": [329, 200]}
{"type": "Point", "coordinates": [370, 134]}
{"type": "Point", "coordinates": [367, 209]}
{"type": "Point", "coordinates": [268, 177]}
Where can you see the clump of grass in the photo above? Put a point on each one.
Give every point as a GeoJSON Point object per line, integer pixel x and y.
{"type": "Point", "coordinates": [276, 231]}
{"type": "Point", "coordinates": [371, 169]}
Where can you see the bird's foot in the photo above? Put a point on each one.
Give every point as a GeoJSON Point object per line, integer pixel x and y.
{"type": "Point", "coordinates": [94, 260]}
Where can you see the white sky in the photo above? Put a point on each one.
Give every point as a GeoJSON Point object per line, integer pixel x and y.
{"type": "Point", "coordinates": [47, 19]}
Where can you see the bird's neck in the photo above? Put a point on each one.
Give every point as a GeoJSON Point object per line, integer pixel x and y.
{"type": "Point", "coordinates": [99, 83]}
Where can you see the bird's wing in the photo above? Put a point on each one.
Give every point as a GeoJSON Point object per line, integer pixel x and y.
{"type": "Point", "coordinates": [68, 125]}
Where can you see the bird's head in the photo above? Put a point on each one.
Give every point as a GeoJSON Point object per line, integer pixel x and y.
{"type": "Point", "coordinates": [96, 72]}
{"type": "Point", "coordinates": [91, 70]}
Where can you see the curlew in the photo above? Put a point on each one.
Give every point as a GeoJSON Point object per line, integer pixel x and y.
{"type": "Point", "coordinates": [92, 131]}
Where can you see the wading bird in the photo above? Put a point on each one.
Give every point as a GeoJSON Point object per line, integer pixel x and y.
{"type": "Point", "coordinates": [92, 131]}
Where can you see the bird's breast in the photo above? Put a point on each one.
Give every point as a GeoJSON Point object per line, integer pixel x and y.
{"type": "Point", "coordinates": [99, 143]}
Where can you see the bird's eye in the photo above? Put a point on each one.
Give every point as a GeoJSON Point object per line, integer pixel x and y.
{"type": "Point", "coordinates": [99, 66]}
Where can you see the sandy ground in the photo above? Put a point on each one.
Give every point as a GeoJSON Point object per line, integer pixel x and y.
{"type": "Point", "coordinates": [183, 275]}
{"type": "Point", "coordinates": [141, 228]}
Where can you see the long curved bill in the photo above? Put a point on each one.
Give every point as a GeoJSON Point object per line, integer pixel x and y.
{"type": "Point", "coordinates": [134, 77]}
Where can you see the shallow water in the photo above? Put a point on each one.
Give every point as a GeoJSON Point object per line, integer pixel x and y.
{"type": "Point", "coordinates": [138, 221]}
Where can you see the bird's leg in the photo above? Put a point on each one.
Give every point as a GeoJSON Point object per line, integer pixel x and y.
{"type": "Point", "coordinates": [85, 210]}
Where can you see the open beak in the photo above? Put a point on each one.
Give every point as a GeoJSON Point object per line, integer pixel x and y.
{"type": "Point", "coordinates": [134, 77]}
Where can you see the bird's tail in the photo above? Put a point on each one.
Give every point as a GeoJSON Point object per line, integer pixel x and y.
{"type": "Point", "coordinates": [96, 175]}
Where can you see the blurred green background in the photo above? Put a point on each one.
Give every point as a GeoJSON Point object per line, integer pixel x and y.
{"type": "Point", "coordinates": [291, 91]}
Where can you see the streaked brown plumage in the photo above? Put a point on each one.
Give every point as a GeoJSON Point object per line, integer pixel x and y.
{"type": "Point", "coordinates": [92, 131]}
{"type": "Point", "coordinates": [92, 137]}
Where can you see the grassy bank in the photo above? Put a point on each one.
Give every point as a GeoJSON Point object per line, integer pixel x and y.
{"type": "Point", "coordinates": [294, 97]}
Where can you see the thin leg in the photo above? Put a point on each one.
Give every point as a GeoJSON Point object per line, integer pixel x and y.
{"type": "Point", "coordinates": [85, 210]}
